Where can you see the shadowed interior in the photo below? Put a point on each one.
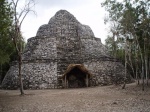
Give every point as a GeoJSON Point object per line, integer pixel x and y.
{"type": "Point", "coordinates": [76, 78]}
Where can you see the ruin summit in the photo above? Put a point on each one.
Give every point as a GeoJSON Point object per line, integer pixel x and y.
{"type": "Point", "coordinates": [65, 54]}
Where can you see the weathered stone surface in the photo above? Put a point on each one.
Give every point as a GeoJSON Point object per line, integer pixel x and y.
{"type": "Point", "coordinates": [63, 41]}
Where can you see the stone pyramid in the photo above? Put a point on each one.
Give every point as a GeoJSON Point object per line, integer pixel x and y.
{"type": "Point", "coordinates": [61, 42]}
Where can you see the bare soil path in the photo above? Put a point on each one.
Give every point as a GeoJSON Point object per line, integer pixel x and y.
{"type": "Point", "coordinates": [96, 99]}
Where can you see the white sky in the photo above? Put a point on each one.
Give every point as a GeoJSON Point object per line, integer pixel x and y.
{"type": "Point", "coordinates": [88, 12]}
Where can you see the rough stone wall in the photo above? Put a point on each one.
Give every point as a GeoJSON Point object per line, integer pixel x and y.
{"type": "Point", "coordinates": [68, 52]}
{"type": "Point", "coordinates": [39, 68]}
{"type": "Point", "coordinates": [40, 48]}
{"type": "Point", "coordinates": [36, 75]}
{"type": "Point", "coordinates": [106, 72]}
{"type": "Point", "coordinates": [93, 48]}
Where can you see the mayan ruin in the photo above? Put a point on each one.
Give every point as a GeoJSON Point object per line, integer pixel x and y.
{"type": "Point", "coordinates": [65, 54]}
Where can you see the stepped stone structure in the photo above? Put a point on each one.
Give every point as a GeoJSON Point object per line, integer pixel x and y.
{"type": "Point", "coordinates": [61, 42]}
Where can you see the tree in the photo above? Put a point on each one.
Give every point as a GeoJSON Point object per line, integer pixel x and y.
{"type": "Point", "coordinates": [5, 23]}
{"type": "Point", "coordinates": [15, 33]}
{"type": "Point", "coordinates": [133, 23]}
{"type": "Point", "coordinates": [7, 48]}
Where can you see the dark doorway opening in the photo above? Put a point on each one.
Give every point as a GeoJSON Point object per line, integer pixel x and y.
{"type": "Point", "coordinates": [76, 78]}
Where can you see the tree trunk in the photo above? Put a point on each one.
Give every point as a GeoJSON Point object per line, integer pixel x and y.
{"type": "Point", "coordinates": [143, 76]}
{"type": "Point", "coordinates": [124, 85]}
{"type": "Point", "coordinates": [20, 75]}
{"type": "Point", "coordinates": [141, 55]}
{"type": "Point", "coordinates": [1, 73]}
{"type": "Point", "coordinates": [136, 66]}
{"type": "Point", "coordinates": [136, 72]}
{"type": "Point", "coordinates": [130, 58]}
{"type": "Point", "coordinates": [138, 79]}
{"type": "Point", "coordinates": [146, 62]}
{"type": "Point", "coordinates": [146, 70]}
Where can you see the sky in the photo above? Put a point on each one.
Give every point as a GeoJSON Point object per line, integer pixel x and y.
{"type": "Point", "coordinates": [88, 12]}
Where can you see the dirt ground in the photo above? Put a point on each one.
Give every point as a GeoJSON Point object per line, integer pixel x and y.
{"type": "Point", "coordinates": [92, 99]}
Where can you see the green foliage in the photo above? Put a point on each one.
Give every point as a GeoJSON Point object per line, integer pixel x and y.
{"type": "Point", "coordinates": [132, 25]}
{"type": "Point", "coordinates": [7, 48]}
{"type": "Point", "coordinates": [6, 45]}
{"type": "Point", "coordinates": [115, 47]}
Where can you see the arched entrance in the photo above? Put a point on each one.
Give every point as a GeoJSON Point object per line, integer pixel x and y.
{"type": "Point", "coordinates": [76, 76]}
